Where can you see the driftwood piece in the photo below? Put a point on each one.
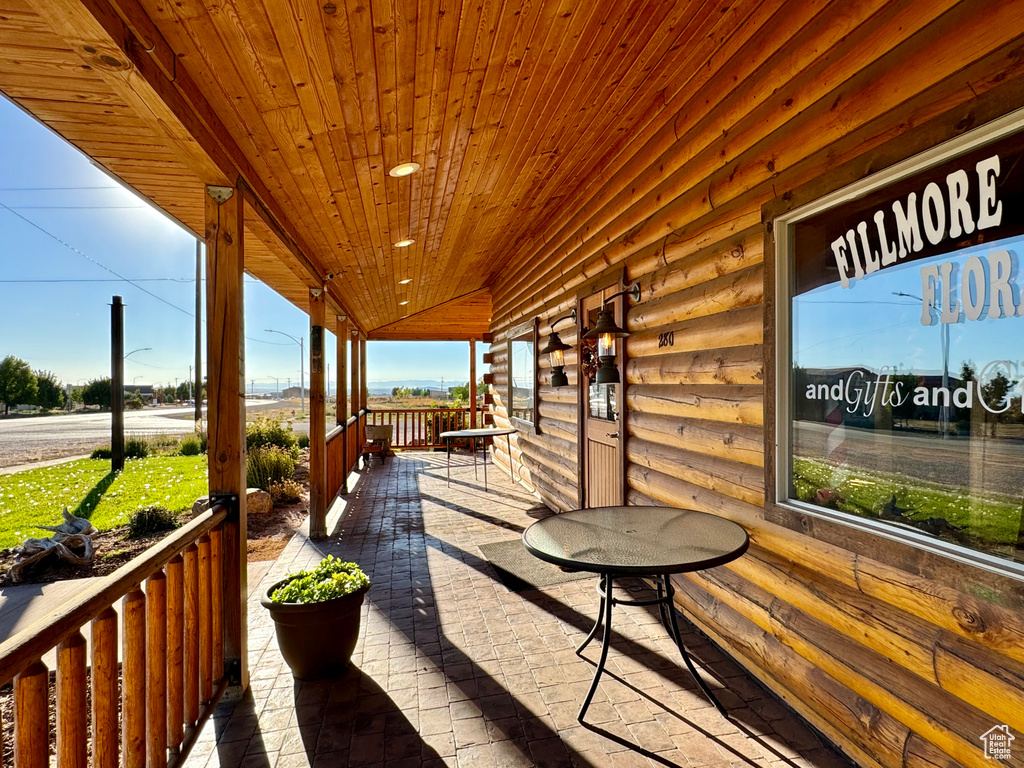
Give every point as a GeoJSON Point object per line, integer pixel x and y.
{"type": "Point", "coordinates": [75, 533]}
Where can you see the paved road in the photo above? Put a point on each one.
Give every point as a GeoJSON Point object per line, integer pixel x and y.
{"type": "Point", "coordinates": [42, 437]}
{"type": "Point", "coordinates": [989, 465]}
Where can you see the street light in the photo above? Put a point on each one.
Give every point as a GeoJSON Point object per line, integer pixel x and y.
{"type": "Point", "coordinates": [302, 365]}
{"type": "Point", "coordinates": [140, 349]}
{"type": "Point", "coordinates": [944, 337]}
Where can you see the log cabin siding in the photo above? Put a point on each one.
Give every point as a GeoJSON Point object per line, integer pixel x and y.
{"type": "Point", "coordinates": [899, 656]}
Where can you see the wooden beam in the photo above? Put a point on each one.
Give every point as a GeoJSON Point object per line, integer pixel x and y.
{"type": "Point", "coordinates": [341, 404]}
{"type": "Point", "coordinates": [225, 261]}
{"type": "Point", "coordinates": [317, 418]}
{"type": "Point", "coordinates": [472, 384]}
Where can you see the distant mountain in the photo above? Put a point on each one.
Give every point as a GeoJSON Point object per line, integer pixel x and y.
{"type": "Point", "coordinates": [385, 387]}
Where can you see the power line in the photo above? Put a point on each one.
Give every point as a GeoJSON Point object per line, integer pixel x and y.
{"type": "Point", "coordinates": [121, 277]}
{"type": "Point", "coordinates": [87, 257]}
{"type": "Point", "coordinates": [55, 189]}
{"type": "Point", "coordinates": [72, 207]}
{"type": "Point", "coordinates": [104, 280]}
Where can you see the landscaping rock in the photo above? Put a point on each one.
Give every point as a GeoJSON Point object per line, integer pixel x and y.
{"type": "Point", "coordinates": [257, 502]}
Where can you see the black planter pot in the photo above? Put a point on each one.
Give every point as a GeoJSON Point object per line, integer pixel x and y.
{"type": "Point", "coordinates": [316, 639]}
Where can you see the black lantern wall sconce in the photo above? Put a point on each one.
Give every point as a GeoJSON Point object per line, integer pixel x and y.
{"type": "Point", "coordinates": [555, 349]}
{"type": "Point", "coordinates": [605, 332]}
{"type": "Point", "coordinates": [602, 336]}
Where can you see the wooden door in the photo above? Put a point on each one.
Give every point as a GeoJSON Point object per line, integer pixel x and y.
{"type": "Point", "coordinates": [602, 419]}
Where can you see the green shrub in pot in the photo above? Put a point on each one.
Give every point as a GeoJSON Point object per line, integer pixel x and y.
{"type": "Point", "coordinates": [316, 615]}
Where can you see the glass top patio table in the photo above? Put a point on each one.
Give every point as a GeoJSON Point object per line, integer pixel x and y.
{"type": "Point", "coordinates": [636, 541]}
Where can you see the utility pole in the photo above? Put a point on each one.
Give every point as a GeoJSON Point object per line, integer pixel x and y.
{"type": "Point", "coordinates": [252, 386]}
{"type": "Point", "coordinates": [117, 385]}
{"type": "Point", "coordinates": [198, 391]}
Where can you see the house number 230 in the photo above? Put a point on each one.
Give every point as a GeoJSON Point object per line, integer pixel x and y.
{"type": "Point", "coordinates": [666, 339]}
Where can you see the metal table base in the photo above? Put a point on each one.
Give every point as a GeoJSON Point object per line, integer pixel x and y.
{"type": "Point", "coordinates": [666, 606]}
{"type": "Point", "coordinates": [474, 438]}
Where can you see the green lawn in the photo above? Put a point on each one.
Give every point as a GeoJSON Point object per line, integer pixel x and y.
{"type": "Point", "coordinates": [987, 522]}
{"type": "Point", "coordinates": [89, 489]}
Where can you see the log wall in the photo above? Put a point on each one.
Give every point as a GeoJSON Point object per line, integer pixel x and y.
{"type": "Point", "coordinates": [899, 656]}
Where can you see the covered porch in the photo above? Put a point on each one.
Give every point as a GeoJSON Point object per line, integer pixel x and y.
{"type": "Point", "coordinates": [463, 171]}
{"type": "Point", "coordinates": [453, 668]}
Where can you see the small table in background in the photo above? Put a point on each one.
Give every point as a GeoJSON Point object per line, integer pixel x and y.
{"type": "Point", "coordinates": [474, 435]}
{"type": "Point", "coordinates": [616, 542]}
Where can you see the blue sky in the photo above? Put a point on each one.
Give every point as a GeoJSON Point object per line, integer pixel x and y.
{"type": "Point", "coordinates": [65, 226]}
{"type": "Point", "coordinates": [866, 324]}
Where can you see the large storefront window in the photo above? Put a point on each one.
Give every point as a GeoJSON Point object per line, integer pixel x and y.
{"type": "Point", "coordinates": [903, 299]}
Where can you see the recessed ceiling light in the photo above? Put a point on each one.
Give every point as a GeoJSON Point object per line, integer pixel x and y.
{"type": "Point", "coordinates": [402, 303]}
{"type": "Point", "coordinates": [405, 282]}
{"type": "Point", "coordinates": [404, 170]}
{"type": "Point", "coordinates": [404, 243]}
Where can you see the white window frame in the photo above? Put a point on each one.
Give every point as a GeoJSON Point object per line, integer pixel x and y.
{"type": "Point", "coordinates": [783, 230]}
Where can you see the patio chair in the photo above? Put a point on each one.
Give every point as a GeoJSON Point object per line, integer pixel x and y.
{"type": "Point", "coordinates": [378, 441]}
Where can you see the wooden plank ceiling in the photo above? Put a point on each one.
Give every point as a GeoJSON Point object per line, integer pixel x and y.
{"type": "Point", "coordinates": [510, 109]}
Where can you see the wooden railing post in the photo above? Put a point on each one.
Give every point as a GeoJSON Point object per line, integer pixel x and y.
{"type": "Point", "coordinates": [217, 600]}
{"type": "Point", "coordinates": [317, 418]}
{"type": "Point", "coordinates": [72, 712]}
{"type": "Point", "coordinates": [156, 669]}
{"type": "Point", "coordinates": [133, 680]}
{"type": "Point", "coordinates": [104, 690]}
{"type": "Point", "coordinates": [175, 651]}
{"type": "Point", "coordinates": [191, 560]}
{"type": "Point", "coordinates": [31, 717]}
{"type": "Point", "coordinates": [205, 622]}
{"type": "Point", "coordinates": [225, 261]}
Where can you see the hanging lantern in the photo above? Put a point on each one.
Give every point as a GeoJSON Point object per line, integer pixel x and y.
{"type": "Point", "coordinates": [555, 349]}
{"type": "Point", "coordinates": [606, 332]}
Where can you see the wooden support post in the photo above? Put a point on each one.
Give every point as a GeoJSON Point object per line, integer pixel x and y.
{"type": "Point", "coordinates": [117, 385]}
{"type": "Point", "coordinates": [472, 384]}
{"type": "Point", "coordinates": [225, 260]}
{"type": "Point", "coordinates": [105, 717]}
{"type": "Point", "coordinates": [133, 681]}
{"type": "Point", "coordinates": [317, 417]}
{"type": "Point", "coordinates": [156, 672]}
{"type": "Point", "coordinates": [356, 378]}
{"type": "Point", "coordinates": [31, 718]}
{"type": "Point", "coordinates": [72, 711]}
{"type": "Point", "coordinates": [341, 332]}
{"type": "Point", "coordinates": [362, 373]}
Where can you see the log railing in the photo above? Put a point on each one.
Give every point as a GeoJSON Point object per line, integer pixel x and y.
{"type": "Point", "coordinates": [343, 444]}
{"type": "Point", "coordinates": [172, 671]}
{"type": "Point", "coordinates": [421, 428]}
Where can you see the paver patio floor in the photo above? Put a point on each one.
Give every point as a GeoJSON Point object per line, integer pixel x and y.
{"type": "Point", "coordinates": [453, 669]}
